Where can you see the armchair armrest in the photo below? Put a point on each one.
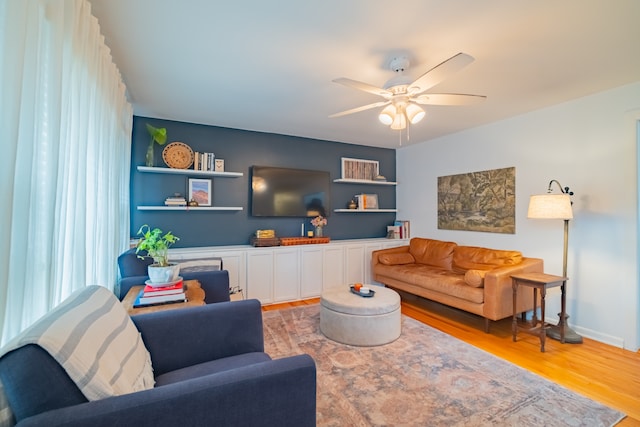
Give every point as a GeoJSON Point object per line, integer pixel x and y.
{"type": "Point", "coordinates": [179, 338]}
{"type": "Point", "coordinates": [278, 392]}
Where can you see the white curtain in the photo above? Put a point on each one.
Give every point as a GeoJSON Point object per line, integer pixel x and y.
{"type": "Point", "coordinates": [66, 147]}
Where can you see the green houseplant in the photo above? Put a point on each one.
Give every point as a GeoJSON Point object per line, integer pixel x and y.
{"type": "Point", "coordinates": [158, 135]}
{"type": "Point", "coordinates": [156, 244]}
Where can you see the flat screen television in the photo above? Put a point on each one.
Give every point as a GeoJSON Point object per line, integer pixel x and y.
{"type": "Point", "coordinates": [289, 192]}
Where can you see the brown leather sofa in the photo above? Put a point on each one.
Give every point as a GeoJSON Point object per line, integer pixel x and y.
{"type": "Point", "coordinates": [474, 279]}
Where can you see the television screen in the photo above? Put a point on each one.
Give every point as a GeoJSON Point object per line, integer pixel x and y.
{"type": "Point", "coordinates": [289, 192]}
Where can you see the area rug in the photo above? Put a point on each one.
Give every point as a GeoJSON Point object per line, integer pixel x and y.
{"type": "Point", "coordinates": [425, 378]}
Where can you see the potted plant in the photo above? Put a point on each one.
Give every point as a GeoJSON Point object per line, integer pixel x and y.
{"type": "Point", "coordinates": [158, 135]}
{"type": "Point", "coordinates": [157, 244]}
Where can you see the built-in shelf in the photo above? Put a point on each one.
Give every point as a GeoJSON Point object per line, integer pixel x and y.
{"type": "Point", "coordinates": [148, 169]}
{"type": "Point", "coordinates": [189, 208]}
{"type": "Point", "coordinates": [365, 210]}
{"type": "Point", "coordinates": [363, 181]}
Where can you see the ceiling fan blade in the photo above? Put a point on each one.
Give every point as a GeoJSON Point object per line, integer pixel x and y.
{"type": "Point", "coordinates": [358, 109]}
{"type": "Point", "coordinates": [448, 99]}
{"type": "Point", "coordinates": [364, 87]}
{"type": "Point", "coordinates": [440, 72]}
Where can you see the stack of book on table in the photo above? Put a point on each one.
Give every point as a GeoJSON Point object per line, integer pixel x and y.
{"type": "Point", "coordinates": [149, 295]}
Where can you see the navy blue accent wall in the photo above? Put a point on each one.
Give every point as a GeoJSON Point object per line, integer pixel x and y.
{"type": "Point", "coordinates": [241, 150]}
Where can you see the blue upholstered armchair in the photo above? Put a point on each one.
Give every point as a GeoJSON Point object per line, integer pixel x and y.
{"type": "Point", "coordinates": [208, 363]}
{"type": "Point", "coordinates": [133, 271]}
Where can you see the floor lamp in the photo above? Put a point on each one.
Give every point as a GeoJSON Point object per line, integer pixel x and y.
{"type": "Point", "coordinates": [556, 206]}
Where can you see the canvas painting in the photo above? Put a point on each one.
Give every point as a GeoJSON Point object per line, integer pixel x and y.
{"type": "Point", "coordinates": [478, 201]}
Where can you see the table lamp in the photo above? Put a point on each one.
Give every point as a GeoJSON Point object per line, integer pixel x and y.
{"type": "Point", "coordinates": [556, 206]}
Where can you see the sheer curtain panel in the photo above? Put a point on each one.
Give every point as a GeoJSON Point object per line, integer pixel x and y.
{"type": "Point", "coordinates": [66, 145]}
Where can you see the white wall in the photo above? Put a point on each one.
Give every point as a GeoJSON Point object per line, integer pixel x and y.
{"type": "Point", "coordinates": [589, 145]}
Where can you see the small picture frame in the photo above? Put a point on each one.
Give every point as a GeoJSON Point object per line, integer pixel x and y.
{"type": "Point", "coordinates": [200, 191]}
{"type": "Point", "coordinates": [219, 165]}
{"type": "Point", "coordinates": [365, 170]}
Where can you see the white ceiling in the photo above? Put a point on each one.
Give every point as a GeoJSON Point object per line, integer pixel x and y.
{"type": "Point", "coordinates": [268, 66]}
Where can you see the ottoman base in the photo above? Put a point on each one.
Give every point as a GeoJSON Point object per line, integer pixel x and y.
{"type": "Point", "coordinates": [370, 330]}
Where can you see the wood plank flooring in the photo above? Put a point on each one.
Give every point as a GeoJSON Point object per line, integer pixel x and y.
{"type": "Point", "coordinates": [598, 371]}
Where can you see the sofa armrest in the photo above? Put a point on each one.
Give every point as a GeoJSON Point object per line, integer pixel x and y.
{"type": "Point", "coordinates": [185, 337]}
{"type": "Point", "coordinates": [498, 289]}
{"type": "Point", "coordinates": [275, 393]}
{"type": "Point", "coordinates": [376, 254]}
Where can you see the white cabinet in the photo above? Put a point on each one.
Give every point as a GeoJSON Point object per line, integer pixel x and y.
{"type": "Point", "coordinates": [354, 263]}
{"type": "Point", "coordinates": [233, 260]}
{"type": "Point", "coordinates": [273, 275]}
{"type": "Point", "coordinates": [287, 273]}
{"type": "Point", "coordinates": [333, 267]}
{"type": "Point", "coordinates": [311, 270]}
{"type": "Point", "coordinates": [260, 275]}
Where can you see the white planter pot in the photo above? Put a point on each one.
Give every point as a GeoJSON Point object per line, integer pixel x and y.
{"type": "Point", "coordinates": [163, 274]}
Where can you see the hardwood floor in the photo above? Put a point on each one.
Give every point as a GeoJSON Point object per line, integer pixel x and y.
{"type": "Point", "coordinates": [598, 371]}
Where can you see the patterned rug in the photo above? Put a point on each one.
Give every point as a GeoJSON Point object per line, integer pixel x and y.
{"type": "Point", "coordinates": [425, 378]}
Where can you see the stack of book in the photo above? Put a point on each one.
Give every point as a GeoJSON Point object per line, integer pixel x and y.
{"type": "Point", "coordinates": [204, 161]}
{"type": "Point", "coordinates": [399, 230]}
{"type": "Point", "coordinates": [175, 201]}
{"type": "Point", "coordinates": [161, 295]}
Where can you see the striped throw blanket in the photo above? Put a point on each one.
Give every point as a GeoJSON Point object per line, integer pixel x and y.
{"type": "Point", "coordinates": [93, 338]}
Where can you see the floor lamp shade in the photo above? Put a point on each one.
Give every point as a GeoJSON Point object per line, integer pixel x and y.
{"type": "Point", "coordinates": [550, 206]}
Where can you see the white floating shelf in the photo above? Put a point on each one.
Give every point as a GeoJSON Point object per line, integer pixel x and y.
{"type": "Point", "coordinates": [148, 169]}
{"type": "Point", "coordinates": [365, 210]}
{"type": "Point", "coordinates": [363, 181]}
{"type": "Point", "coordinates": [189, 208]}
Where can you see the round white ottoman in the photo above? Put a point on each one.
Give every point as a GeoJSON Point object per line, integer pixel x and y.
{"type": "Point", "coordinates": [351, 319]}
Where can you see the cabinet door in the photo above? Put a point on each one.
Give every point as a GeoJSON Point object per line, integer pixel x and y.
{"type": "Point", "coordinates": [286, 275]}
{"type": "Point", "coordinates": [333, 267]}
{"type": "Point", "coordinates": [368, 274]}
{"type": "Point", "coordinates": [354, 263]}
{"type": "Point", "coordinates": [260, 275]}
{"type": "Point", "coordinates": [311, 266]}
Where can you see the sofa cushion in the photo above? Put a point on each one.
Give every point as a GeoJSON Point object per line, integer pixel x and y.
{"type": "Point", "coordinates": [396, 258]}
{"type": "Point", "coordinates": [439, 280]}
{"type": "Point", "coordinates": [475, 278]}
{"type": "Point", "coordinates": [436, 253]}
{"type": "Point", "coordinates": [476, 258]}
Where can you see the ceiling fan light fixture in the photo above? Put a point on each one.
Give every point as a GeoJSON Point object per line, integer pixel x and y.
{"type": "Point", "coordinates": [399, 121]}
{"type": "Point", "coordinates": [387, 115]}
{"type": "Point", "coordinates": [415, 113]}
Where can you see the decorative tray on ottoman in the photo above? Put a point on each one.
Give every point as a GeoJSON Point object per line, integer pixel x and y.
{"type": "Point", "coordinates": [369, 295]}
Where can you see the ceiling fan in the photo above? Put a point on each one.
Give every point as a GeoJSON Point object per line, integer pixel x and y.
{"type": "Point", "coordinates": [402, 95]}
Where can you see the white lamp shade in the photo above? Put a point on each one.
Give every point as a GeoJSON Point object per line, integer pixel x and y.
{"type": "Point", "coordinates": [550, 206]}
{"type": "Point", "coordinates": [386, 116]}
{"type": "Point", "coordinates": [415, 113]}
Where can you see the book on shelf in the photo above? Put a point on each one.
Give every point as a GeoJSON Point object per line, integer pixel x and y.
{"type": "Point", "coordinates": [204, 161]}
{"type": "Point", "coordinates": [142, 301]}
{"type": "Point", "coordinates": [175, 201]}
{"type": "Point", "coordinates": [404, 226]}
{"type": "Point", "coordinates": [399, 230]}
{"type": "Point", "coordinates": [150, 291]}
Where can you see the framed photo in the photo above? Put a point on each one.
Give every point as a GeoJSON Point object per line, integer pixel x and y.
{"type": "Point", "coordinates": [359, 169]}
{"type": "Point", "coordinates": [200, 191]}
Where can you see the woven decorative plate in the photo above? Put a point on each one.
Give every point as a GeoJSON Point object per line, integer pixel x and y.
{"type": "Point", "coordinates": [178, 155]}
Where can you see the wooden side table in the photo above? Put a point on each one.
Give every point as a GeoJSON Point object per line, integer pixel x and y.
{"type": "Point", "coordinates": [195, 297]}
{"type": "Point", "coordinates": [542, 282]}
